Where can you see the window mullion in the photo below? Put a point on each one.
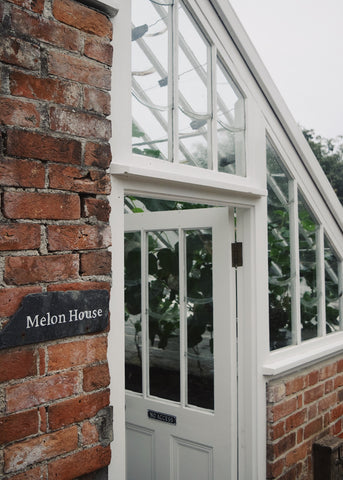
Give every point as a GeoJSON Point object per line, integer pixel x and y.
{"type": "Point", "coordinates": [320, 261]}
{"type": "Point", "coordinates": [173, 84]}
{"type": "Point", "coordinates": [212, 108]}
{"type": "Point", "coordinates": [340, 293]}
{"type": "Point", "coordinates": [183, 317]}
{"type": "Point", "coordinates": [295, 262]}
{"type": "Point", "coordinates": [145, 312]}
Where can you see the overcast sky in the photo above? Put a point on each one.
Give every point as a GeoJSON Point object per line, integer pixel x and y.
{"type": "Point", "coordinates": [301, 44]}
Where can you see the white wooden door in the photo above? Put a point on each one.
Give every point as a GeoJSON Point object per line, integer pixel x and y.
{"type": "Point", "coordinates": [180, 345]}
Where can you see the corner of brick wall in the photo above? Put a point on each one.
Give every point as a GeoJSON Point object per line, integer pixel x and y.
{"type": "Point", "coordinates": [301, 408]}
{"type": "Point", "coordinates": [55, 74]}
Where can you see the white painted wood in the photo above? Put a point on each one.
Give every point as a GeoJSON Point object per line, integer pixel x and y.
{"type": "Point", "coordinates": [295, 263]}
{"type": "Point", "coordinates": [206, 435]}
{"type": "Point", "coordinates": [320, 280]}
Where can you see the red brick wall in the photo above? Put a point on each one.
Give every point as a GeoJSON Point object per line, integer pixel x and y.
{"type": "Point", "coordinates": [301, 408]}
{"type": "Point", "coordinates": [55, 73]}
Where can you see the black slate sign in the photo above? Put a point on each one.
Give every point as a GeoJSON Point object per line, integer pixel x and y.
{"type": "Point", "coordinates": [162, 417]}
{"type": "Point", "coordinates": [53, 315]}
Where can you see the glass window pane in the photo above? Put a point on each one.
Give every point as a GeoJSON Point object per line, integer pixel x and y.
{"type": "Point", "coordinates": [230, 124]}
{"type": "Point", "coordinates": [200, 363]}
{"type": "Point", "coordinates": [279, 253]}
{"type": "Point", "coordinates": [332, 293]}
{"type": "Point", "coordinates": [308, 270]}
{"type": "Point", "coordinates": [164, 314]}
{"type": "Point", "coordinates": [133, 312]}
{"type": "Point", "coordinates": [150, 78]}
{"type": "Point", "coordinates": [193, 92]}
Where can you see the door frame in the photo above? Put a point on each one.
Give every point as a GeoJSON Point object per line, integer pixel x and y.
{"type": "Point", "coordinates": [252, 302]}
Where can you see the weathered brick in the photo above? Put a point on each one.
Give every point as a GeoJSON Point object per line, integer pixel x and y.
{"type": "Point", "coordinates": [43, 147]}
{"type": "Point", "coordinates": [275, 469]}
{"type": "Point", "coordinates": [296, 385]}
{"type": "Point", "coordinates": [79, 180]}
{"type": "Point", "coordinates": [18, 426]}
{"type": "Point", "coordinates": [35, 269]}
{"type": "Point", "coordinates": [82, 18]}
{"type": "Point", "coordinates": [89, 434]}
{"type": "Point", "coordinates": [18, 113]}
{"type": "Point", "coordinates": [95, 263]}
{"type": "Point", "coordinates": [336, 413]}
{"type": "Point", "coordinates": [21, 173]}
{"type": "Point", "coordinates": [328, 371]}
{"type": "Point", "coordinates": [284, 445]}
{"type": "Point", "coordinates": [313, 427]}
{"type": "Point", "coordinates": [79, 69]}
{"type": "Point", "coordinates": [79, 123]}
{"type": "Point", "coordinates": [44, 447]}
{"type": "Point", "coordinates": [41, 390]}
{"type": "Point", "coordinates": [63, 287]}
{"type": "Point", "coordinates": [19, 236]}
{"type": "Point", "coordinates": [36, 6]}
{"type": "Point", "coordinates": [313, 377]}
{"type": "Point", "coordinates": [276, 392]}
{"type": "Point", "coordinates": [99, 49]}
{"type": "Point", "coordinates": [18, 52]}
{"type": "Point", "coordinates": [71, 354]}
{"type": "Point", "coordinates": [10, 298]}
{"type": "Point", "coordinates": [41, 206]}
{"type": "Point", "coordinates": [296, 455]}
{"type": "Point", "coordinates": [98, 155]}
{"type": "Point", "coordinates": [327, 402]}
{"type": "Point", "coordinates": [48, 89]}
{"type": "Point", "coordinates": [314, 393]}
{"type": "Point", "coordinates": [43, 419]}
{"type": "Point", "coordinates": [78, 237]}
{"type": "Point", "coordinates": [338, 381]}
{"type": "Point", "coordinates": [96, 377]}
{"type": "Point", "coordinates": [97, 101]}
{"type": "Point", "coordinates": [96, 207]}
{"type": "Point", "coordinates": [17, 364]}
{"type": "Point", "coordinates": [80, 463]}
{"type": "Point", "coordinates": [295, 420]}
{"type": "Point", "coordinates": [35, 473]}
{"type": "Point", "coordinates": [283, 409]}
{"type": "Point", "coordinates": [45, 30]}
{"type": "Point", "coordinates": [76, 409]}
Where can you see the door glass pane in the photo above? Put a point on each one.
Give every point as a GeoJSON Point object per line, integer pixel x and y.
{"type": "Point", "coordinates": [149, 78]}
{"type": "Point", "coordinates": [332, 293]}
{"type": "Point", "coordinates": [193, 93]}
{"type": "Point", "coordinates": [164, 314]}
{"type": "Point", "coordinates": [230, 124]}
{"type": "Point", "coordinates": [308, 271]}
{"type": "Point", "coordinates": [133, 312]}
{"type": "Point", "coordinates": [279, 253]}
{"type": "Point", "coordinates": [200, 364]}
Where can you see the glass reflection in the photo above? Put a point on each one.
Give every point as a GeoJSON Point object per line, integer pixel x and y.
{"type": "Point", "coordinates": [332, 293]}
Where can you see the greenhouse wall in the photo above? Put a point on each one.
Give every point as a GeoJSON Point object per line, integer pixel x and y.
{"type": "Point", "coordinates": [55, 77]}
{"type": "Point", "coordinates": [302, 408]}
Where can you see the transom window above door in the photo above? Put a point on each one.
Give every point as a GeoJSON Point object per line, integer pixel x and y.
{"type": "Point", "coordinates": [186, 108]}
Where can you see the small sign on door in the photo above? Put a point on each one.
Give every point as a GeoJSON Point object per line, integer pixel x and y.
{"type": "Point", "coordinates": [162, 417]}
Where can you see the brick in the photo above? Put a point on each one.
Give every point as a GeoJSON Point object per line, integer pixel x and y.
{"type": "Point", "coordinates": [96, 377]}
{"type": "Point", "coordinates": [43, 147]}
{"type": "Point", "coordinates": [296, 455]}
{"type": "Point", "coordinates": [21, 173]}
{"type": "Point", "coordinates": [327, 371]}
{"type": "Point", "coordinates": [18, 113]}
{"type": "Point", "coordinates": [284, 445]}
{"type": "Point", "coordinates": [275, 469]}
{"type": "Point", "coordinates": [96, 207]}
{"type": "Point", "coordinates": [276, 430]}
{"type": "Point", "coordinates": [97, 101]}
{"type": "Point", "coordinates": [48, 89]}
{"type": "Point", "coordinates": [41, 206]}
{"type": "Point", "coordinates": [313, 394]}
{"type": "Point", "coordinates": [294, 421]}
{"type": "Point", "coordinates": [296, 385]}
{"type": "Point", "coordinates": [76, 179]}
{"type": "Point", "coordinates": [327, 402]}
{"type": "Point", "coordinates": [44, 447]}
{"type": "Point", "coordinates": [98, 155]}
{"type": "Point", "coordinates": [313, 377]}
{"type": "Point", "coordinates": [338, 381]}
{"type": "Point", "coordinates": [43, 419]}
{"type": "Point", "coordinates": [79, 69]}
{"type": "Point", "coordinates": [45, 30]}
{"type": "Point", "coordinates": [78, 237]}
{"type": "Point", "coordinates": [11, 298]}
{"type": "Point", "coordinates": [71, 354]}
{"type": "Point", "coordinates": [35, 473]}
{"type": "Point", "coordinates": [82, 18]}
{"type": "Point", "coordinates": [99, 49]}
{"type": "Point", "coordinates": [80, 463]}
{"type": "Point", "coordinates": [41, 390]}
{"type": "Point", "coordinates": [89, 434]}
{"type": "Point", "coordinates": [36, 6]}
{"type": "Point", "coordinates": [95, 263]}
{"type": "Point", "coordinates": [63, 287]}
{"type": "Point", "coordinates": [18, 426]}
{"type": "Point", "coordinates": [313, 427]}
{"type": "Point", "coordinates": [16, 364]}
{"type": "Point", "coordinates": [76, 409]}
{"type": "Point", "coordinates": [336, 413]}
{"type": "Point", "coordinates": [79, 123]}
{"type": "Point", "coordinates": [283, 409]}
{"type": "Point", "coordinates": [19, 236]}
{"type": "Point", "coordinates": [35, 269]}
{"type": "Point", "coordinates": [340, 366]}
{"type": "Point", "coordinates": [20, 53]}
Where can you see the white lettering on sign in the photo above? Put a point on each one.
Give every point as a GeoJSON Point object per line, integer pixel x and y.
{"type": "Point", "coordinates": [48, 319]}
